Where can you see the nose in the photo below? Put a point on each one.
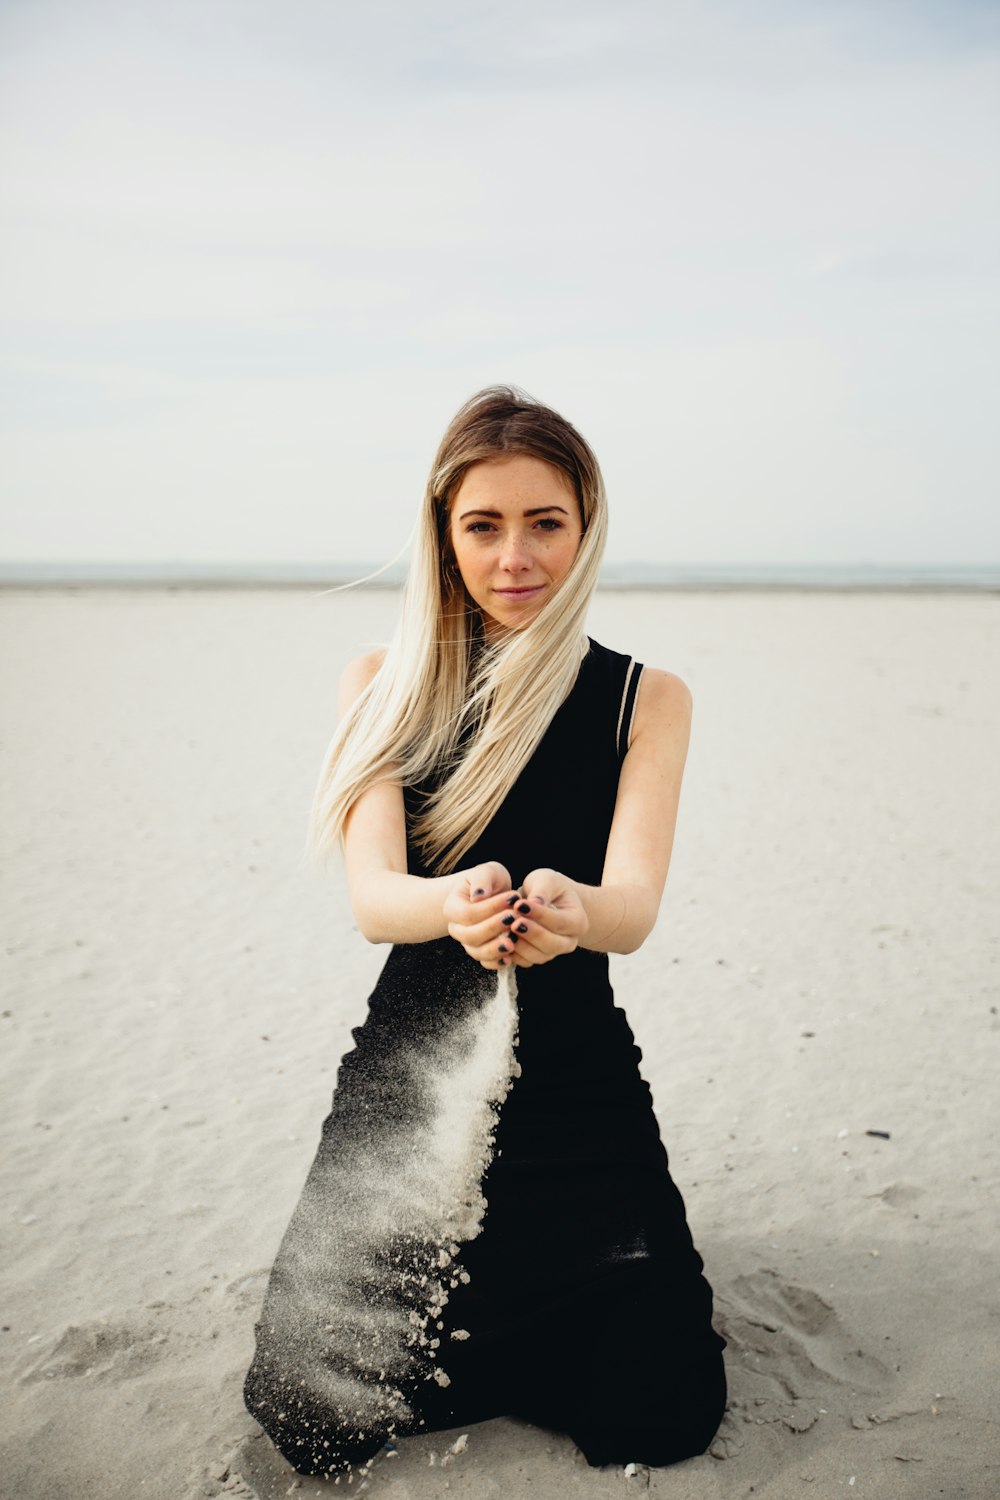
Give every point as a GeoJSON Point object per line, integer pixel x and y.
{"type": "Point", "coordinates": [514, 553]}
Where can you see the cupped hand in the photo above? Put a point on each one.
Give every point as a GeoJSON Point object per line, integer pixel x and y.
{"type": "Point", "coordinates": [475, 908]}
{"type": "Point", "coordinates": [499, 926]}
{"type": "Point", "coordinates": [549, 920]}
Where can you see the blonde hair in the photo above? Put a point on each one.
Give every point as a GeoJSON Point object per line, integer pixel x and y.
{"type": "Point", "coordinates": [446, 705]}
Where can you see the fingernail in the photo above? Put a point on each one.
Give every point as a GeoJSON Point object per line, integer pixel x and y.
{"type": "Point", "coordinates": [479, 891]}
{"type": "Point", "coordinates": [507, 919]}
{"type": "Point", "coordinates": [510, 900]}
{"type": "Point", "coordinates": [503, 947]}
{"type": "Point", "coordinates": [521, 927]}
{"type": "Point", "coordinates": [524, 908]}
{"type": "Point", "coordinates": [514, 936]}
{"type": "Point", "coordinates": [502, 961]}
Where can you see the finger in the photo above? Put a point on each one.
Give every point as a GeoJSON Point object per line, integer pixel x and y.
{"type": "Point", "coordinates": [489, 879]}
{"type": "Point", "coordinates": [528, 934]}
{"type": "Point", "coordinates": [472, 913]}
{"type": "Point", "coordinates": [548, 886]}
{"type": "Point", "coordinates": [488, 956]}
{"type": "Point", "coordinates": [554, 919]}
{"type": "Point", "coordinates": [520, 948]}
{"type": "Point", "coordinates": [496, 946]}
{"type": "Point", "coordinates": [475, 934]}
{"type": "Point", "coordinates": [513, 948]}
{"type": "Point", "coordinates": [551, 897]}
{"type": "Point", "coordinates": [525, 955]}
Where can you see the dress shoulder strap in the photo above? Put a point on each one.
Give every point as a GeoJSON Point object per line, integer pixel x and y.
{"type": "Point", "coordinates": [626, 713]}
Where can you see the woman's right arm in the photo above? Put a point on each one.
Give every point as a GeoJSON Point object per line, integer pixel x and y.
{"type": "Point", "coordinates": [389, 905]}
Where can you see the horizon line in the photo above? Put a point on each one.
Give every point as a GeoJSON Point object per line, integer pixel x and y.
{"type": "Point", "coordinates": [615, 576]}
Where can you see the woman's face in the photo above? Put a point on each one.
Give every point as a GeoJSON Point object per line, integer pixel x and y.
{"type": "Point", "coordinates": [515, 528]}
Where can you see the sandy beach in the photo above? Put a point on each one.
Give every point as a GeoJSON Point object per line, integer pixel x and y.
{"type": "Point", "coordinates": [817, 1011]}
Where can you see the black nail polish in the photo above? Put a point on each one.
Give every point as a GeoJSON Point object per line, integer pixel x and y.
{"type": "Point", "coordinates": [479, 891]}
{"type": "Point", "coordinates": [521, 927]}
{"type": "Point", "coordinates": [524, 908]}
{"type": "Point", "coordinates": [511, 900]}
{"type": "Point", "coordinates": [507, 919]}
{"type": "Point", "coordinates": [514, 937]}
{"type": "Point", "coordinates": [503, 947]}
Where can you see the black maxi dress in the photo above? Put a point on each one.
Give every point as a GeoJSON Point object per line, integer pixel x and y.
{"type": "Point", "coordinates": [489, 1226]}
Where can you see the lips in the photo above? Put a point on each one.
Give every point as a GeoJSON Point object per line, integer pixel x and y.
{"type": "Point", "coordinates": [526, 593]}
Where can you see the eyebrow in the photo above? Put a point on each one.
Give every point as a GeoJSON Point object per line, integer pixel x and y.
{"type": "Point", "coordinates": [539, 510]}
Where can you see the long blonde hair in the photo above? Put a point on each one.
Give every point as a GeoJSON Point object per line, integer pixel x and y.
{"type": "Point", "coordinates": [447, 705]}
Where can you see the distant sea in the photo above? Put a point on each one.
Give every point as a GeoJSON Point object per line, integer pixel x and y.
{"type": "Point", "coordinates": [947, 577]}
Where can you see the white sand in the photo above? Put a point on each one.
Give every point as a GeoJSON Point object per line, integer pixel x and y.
{"type": "Point", "coordinates": [180, 989]}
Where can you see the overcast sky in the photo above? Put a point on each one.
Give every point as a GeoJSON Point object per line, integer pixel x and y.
{"type": "Point", "coordinates": [256, 252]}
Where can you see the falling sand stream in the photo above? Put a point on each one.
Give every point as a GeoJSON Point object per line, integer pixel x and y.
{"type": "Point", "coordinates": [351, 1324]}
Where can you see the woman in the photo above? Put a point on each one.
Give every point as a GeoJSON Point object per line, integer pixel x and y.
{"type": "Point", "coordinates": [489, 1226]}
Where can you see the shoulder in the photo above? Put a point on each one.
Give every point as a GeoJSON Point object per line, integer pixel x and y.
{"type": "Point", "coordinates": [663, 704]}
{"type": "Point", "coordinates": [357, 675]}
{"type": "Point", "coordinates": [664, 688]}
{"type": "Point", "coordinates": [659, 701]}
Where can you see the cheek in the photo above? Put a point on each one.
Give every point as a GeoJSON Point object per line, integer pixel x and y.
{"type": "Point", "coordinates": [566, 552]}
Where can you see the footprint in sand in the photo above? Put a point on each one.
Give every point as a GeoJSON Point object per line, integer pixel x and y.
{"type": "Point", "coordinates": [101, 1350]}
{"type": "Point", "coordinates": [221, 1477]}
{"type": "Point", "coordinates": [787, 1348]}
{"type": "Point", "coordinates": [228, 1482]}
{"type": "Point", "coordinates": [252, 1469]}
{"type": "Point", "coordinates": [900, 1195]}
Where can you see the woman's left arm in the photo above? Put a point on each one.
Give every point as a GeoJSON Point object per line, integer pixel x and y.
{"type": "Point", "coordinates": [618, 915]}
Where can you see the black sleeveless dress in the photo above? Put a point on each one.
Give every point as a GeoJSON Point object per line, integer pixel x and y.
{"type": "Point", "coordinates": [489, 1226]}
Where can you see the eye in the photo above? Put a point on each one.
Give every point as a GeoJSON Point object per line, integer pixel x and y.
{"type": "Point", "coordinates": [479, 526]}
{"type": "Point", "coordinates": [549, 523]}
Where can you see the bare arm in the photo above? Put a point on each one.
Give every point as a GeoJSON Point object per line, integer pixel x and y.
{"type": "Point", "coordinates": [642, 833]}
